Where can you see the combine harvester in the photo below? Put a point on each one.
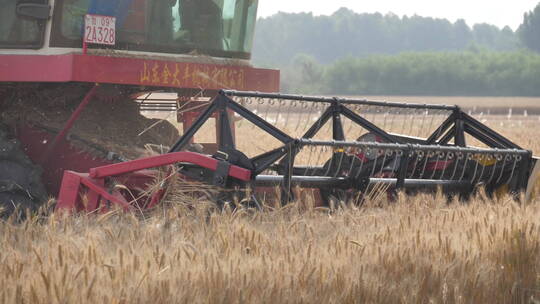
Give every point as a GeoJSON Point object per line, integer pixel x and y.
{"type": "Point", "coordinates": [74, 76]}
{"type": "Point", "coordinates": [341, 149]}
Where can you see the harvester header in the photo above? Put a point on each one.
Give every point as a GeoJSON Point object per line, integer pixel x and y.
{"type": "Point", "coordinates": [344, 151]}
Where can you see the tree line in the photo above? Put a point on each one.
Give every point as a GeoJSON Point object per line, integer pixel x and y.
{"type": "Point", "coordinates": [350, 53]}
{"type": "Point", "coordinates": [281, 37]}
{"type": "Point", "coordinates": [529, 31]}
{"type": "Point", "coordinates": [475, 72]}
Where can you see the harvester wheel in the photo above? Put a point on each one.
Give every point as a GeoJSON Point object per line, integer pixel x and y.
{"type": "Point", "coordinates": [20, 180]}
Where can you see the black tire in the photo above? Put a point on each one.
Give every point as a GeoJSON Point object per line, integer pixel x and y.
{"type": "Point", "coordinates": [21, 188]}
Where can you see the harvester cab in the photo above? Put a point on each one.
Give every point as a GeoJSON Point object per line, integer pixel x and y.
{"type": "Point", "coordinates": [76, 77]}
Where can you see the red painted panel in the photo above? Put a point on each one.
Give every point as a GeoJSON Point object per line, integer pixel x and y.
{"type": "Point", "coordinates": [135, 71]}
{"type": "Point", "coordinates": [34, 142]}
{"type": "Point", "coordinates": [36, 68]}
{"type": "Point", "coordinates": [167, 159]}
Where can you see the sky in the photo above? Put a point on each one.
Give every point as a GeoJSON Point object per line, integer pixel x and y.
{"type": "Point", "coordinates": [497, 12]}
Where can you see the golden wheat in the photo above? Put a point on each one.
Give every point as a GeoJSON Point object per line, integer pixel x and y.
{"type": "Point", "coordinates": [416, 250]}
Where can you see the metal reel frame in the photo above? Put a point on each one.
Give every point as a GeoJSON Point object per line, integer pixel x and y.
{"type": "Point", "coordinates": [447, 139]}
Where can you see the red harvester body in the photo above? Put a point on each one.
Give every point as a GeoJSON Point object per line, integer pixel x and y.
{"type": "Point", "coordinates": [49, 59]}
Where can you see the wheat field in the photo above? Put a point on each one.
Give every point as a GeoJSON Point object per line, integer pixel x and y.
{"type": "Point", "coordinates": [415, 250]}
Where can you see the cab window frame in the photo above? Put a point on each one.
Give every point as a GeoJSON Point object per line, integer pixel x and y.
{"type": "Point", "coordinates": [57, 39]}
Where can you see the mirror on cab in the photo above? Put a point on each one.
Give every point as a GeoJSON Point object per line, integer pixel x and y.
{"type": "Point", "coordinates": [34, 10]}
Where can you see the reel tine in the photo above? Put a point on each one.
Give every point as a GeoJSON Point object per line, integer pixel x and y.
{"type": "Point", "coordinates": [475, 169]}
{"type": "Point", "coordinates": [467, 155]}
{"type": "Point", "coordinates": [374, 116]}
{"type": "Point", "coordinates": [405, 121]}
{"type": "Point", "coordinates": [436, 165]}
{"type": "Point", "coordinates": [412, 121]}
{"type": "Point", "coordinates": [292, 104]}
{"type": "Point", "coordinates": [383, 162]}
{"type": "Point", "coordinates": [330, 165]}
{"type": "Point", "coordinates": [299, 118]}
{"type": "Point", "coordinates": [351, 166]}
{"type": "Point", "coordinates": [458, 156]}
{"type": "Point", "coordinates": [455, 162]}
{"type": "Point", "coordinates": [374, 166]}
{"type": "Point", "coordinates": [244, 104]}
{"type": "Point", "coordinates": [310, 112]}
{"type": "Point", "coordinates": [486, 158]}
{"type": "Point", "coordinates": [340, 164]}
{"type": "Point", "coordinates": [385, 117]}
{"type": "Point", "coordinates": [419, 134]}
{"type": "Point", "coordinates": [445, 156]}
{"type": "Point", "coordinates": [439, 130]}
{"type": "Point", "coordinates": [246, 101]}
{"type": "Point", "coordinates": [391, 127]}
{"type": "Point", "coordinates": [412, 154]}
{"type": "Point", "coordinates": [449, 156]}
{"type": "Point", "coordinates": [279, 116]}
{"type": "Point", "coordinates": [308, 165]}
{"type": "Point", "coordinates": [426, 157]}
{"type": "Point", "coordinates": [258, 106]}
{"type": "Point", "coordinates": [505, 157]}
{"type": "Point", "coordinates": [497, 160]}
{"type": "Point", "coordinates": [241, 101]}
{"type": "Point", "coordinates": [432, 120]}
{"type": "Point", "coordinates": [318, 158]}
{"type": "Point", "coordinates": [269, 105]}
{"type": "Point", "coordinates": [361, 164]}
{"type": "Point", "coordinates": [282, 114]}
{"type": "Point", "coordinates": [380, 115]}
{"type": "Point", "coordinates": [517, 158]}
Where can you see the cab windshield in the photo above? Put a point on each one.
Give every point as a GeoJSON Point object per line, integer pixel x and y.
{"type": "Point", "coordinates": [214, 27]}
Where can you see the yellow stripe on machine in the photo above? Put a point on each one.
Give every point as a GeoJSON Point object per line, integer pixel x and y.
{"type": "Point", "coordinates": [485, 160]}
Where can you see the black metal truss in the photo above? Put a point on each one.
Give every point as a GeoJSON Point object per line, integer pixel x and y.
{"type": "Point", "coordinates": [455, 128]}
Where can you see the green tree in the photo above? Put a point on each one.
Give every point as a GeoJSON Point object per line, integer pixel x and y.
{"type": "Point", "coordinates": [303, 75]}
{"type": "Point", "coordinates": [529, 31]}
{"type": "Point", "coordinates": [281, 37]}
{"type": "Point", "coordinates": [475, 72]}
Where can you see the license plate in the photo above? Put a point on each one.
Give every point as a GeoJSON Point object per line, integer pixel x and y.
{"type": "Point", "coordinates": [99, 29]}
